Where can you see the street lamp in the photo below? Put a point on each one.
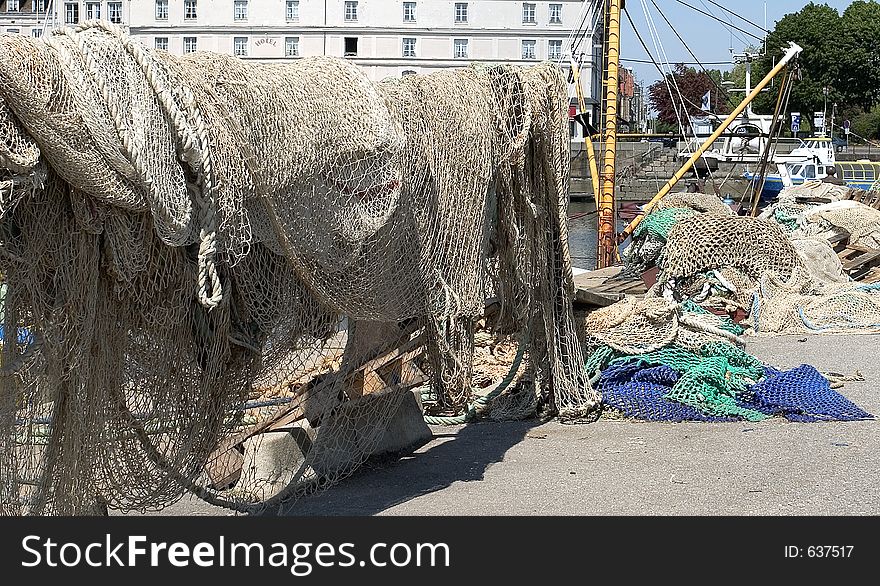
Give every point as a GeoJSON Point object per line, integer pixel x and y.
{"type": "Point", "coordinates": [833, 109]}
{"type": "Point", "coordinates": [824, 107]}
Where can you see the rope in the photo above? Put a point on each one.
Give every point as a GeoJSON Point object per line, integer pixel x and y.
{"type": "Point", "coordinates": [193, 142]}
{"type": "Point", "coordinates": [475, 408]}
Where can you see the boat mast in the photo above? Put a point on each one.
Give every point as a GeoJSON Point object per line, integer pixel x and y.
{"type": "Point", "coordinates": [607, 244]}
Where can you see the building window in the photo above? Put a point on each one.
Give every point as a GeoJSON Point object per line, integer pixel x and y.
{"type": "Point", "coordinates": [11, 5]}
{"type": "Point", "coordinates": [351, 11]}
{"type": "Point", "coordinates": [114, 12]}
{"type": "Point", "coordinates": [528, 50]}
{"type": "Point", "coordinates": [161, 9]}
{"type": "Point", "coordinates": [36, 32]}
{"type": "Point", "coordinates": [409, 47]}
{"type": "Point", "coordinates": [291, 47]}
{"type": "Point", "coordinates": [351, 46]}
{"type": "Point", "coordinates": [93, 10]}
{"type": "Point", "coordinates": [556, 14]}
{"type": "Point", "coordinates": [409, 12]}
{"type": "Point", "coordinates": [190, 10]}
{"type": "Point", "coordinates": [461, 12]}
{"type": "Point", "coordinates": [528, 13]}
{"type": "Point", "coordinates": [13, 30]}
{"type": "Point", "coordinates": [241, 9]}
{"type": "Point", "coordinates": [460, 48]}
{"type": "Point", "coordinates": [406, 72]}
{"type": "Point", "coordinates": [292, 9]}
{"type": "Point", "coordinates": [240, 45]}
{"type": "Point", "coordinates": [554, 50]}
{"type": "Point", "coordinates": [161, 43]}
{"type": "Point", "coordinates": [190, 45]}
{"type": "Point", "coordinates": [71, 13]}
{"type": "Point", "coordinates": [41, 6]}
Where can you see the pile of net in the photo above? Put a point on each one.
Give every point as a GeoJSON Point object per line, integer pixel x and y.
{"type": "Point", "coordinates": [196, 250]}
{"type": "Point", "coordinates": [695, 369]}
{"type": "Point", "coordinates": [779, 271]}
{"type": "Point", "coordinates": [649, 237]}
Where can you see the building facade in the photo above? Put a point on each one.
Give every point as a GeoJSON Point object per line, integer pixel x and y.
{"type": "Point", "coordinates": [385, 37]}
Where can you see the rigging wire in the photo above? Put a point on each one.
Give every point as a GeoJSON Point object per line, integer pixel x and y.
{"type": "Point", "coordinates": [581, 29]}
{"type": "Point", "coordinates": [703, 67]}
{"type": "Point", "coordinates": [726, 24]}
{"type": "Point", "coordinates": [725, 9]}
{"type": "Point", "coordinates": [682, 62]}
{"type": "Point", "coordinates": [599, 9]}
{"type": "Point", "coordinates": [663, 73]}
{"type": "Point", "coordinates": [658, 42]}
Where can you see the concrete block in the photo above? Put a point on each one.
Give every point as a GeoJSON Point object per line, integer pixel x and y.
{"type": "Point", "coordinates": [373, 425]}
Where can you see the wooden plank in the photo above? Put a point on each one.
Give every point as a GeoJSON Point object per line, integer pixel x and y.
{"type": "Point", "coordinates": [590, 297]}
{"type": "Point", "coordinates": [862, 261]}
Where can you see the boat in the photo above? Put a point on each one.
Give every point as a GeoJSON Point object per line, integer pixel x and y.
{"type": "Point", "coordinates": [861, 174]}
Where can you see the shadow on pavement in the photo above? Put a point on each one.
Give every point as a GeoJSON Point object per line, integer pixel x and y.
{"type": "Point", "coordinates": [459, 456]}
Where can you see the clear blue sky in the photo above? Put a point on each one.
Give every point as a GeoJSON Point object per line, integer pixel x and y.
{"type": "Point", "coordinates": [708, 39]}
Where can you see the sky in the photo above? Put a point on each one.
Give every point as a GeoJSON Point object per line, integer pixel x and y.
{"type": "Point", "coordinates": [708, 39]}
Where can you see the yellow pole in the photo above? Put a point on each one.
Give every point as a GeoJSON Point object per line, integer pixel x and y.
{"type": "Point", "coordinates": [792, 51]}
{"type": "Point", "coordinates": [605, 203]}
{"type": "Point", "coordinates": [588, 144]}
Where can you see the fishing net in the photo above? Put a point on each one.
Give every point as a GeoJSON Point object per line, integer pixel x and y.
{"type": "Point", "coordinates": [792, 201]}
{"type": "Point", "coordinates": [649, 237]}
{"type": "Point", "coordinates": [805, 305]}
{"type": "Point", "coordinates": [226, 277]}
{"type": "Point", "coordinates": [860, 222]}
{"type": "Point", "coordinates": [785, 280]}
{"type": "Point", "coordinates": [698, 370]}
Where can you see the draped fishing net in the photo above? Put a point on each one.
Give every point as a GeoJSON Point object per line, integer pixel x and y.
{"type": "Point", "coordinates": [792, 201]}
{"type": "Point", "coordinates": [226, 278]}
{"type": "Point", "coordinates": [696, 369]}
{"type": "Point", "coordinates": [860, 222]}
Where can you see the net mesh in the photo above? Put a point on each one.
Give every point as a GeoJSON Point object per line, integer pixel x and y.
{"type": "Point", "coordinates": [698, 370]}
{"type": "Point", "coordinates": [779, 269]}
{"type": "Point", "coordinates": [225, 277]}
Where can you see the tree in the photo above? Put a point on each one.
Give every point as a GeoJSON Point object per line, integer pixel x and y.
{"type": "Point", "coordinates": [692, 85]}
{"type": "Point", "coordinates": [817, 29]}
{"type": "Point", "coordinates": [859, 72]}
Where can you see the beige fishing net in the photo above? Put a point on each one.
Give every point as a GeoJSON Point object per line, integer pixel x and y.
{"type": "Point", "coordinates": [227, 278]}
{"type": "Point", "coordinates": [779, 271]}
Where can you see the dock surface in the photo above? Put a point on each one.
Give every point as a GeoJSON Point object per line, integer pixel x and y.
{"type": "Point", "coordinates": [616, 467]}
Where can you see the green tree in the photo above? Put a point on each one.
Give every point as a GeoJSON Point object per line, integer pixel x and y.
{"type": "Point", "coordinates": [818, 29]}
{"type": "Point", "coordinates": [859, 71]}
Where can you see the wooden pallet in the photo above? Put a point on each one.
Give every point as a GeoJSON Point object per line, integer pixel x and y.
{"type": "Point", "coordinates": [393, 369]}
{"type": "Point", "coordinates": [861, 263]}
{"type": "Point", "coordinates": [869, 198]}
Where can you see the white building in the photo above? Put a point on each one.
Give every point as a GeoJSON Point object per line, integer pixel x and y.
{"type": "Point", "coordinates": [385, 37]}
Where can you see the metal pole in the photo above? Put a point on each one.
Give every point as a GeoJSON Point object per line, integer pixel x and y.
{"type": "Point", "coordinates": [765, 156]}
{"type": "Point", "coordinates": [607, 243]}
{"type": "Point", "coordinates": [792, 51]}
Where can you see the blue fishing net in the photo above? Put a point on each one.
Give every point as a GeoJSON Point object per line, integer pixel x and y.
{"type": "Point", "coordinates": [717, 386]}
{"type": "Point", "coordinates": [638, 391]}
{"type": "Point", "coordinates": [803, 394]}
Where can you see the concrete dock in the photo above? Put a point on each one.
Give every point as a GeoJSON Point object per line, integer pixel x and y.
{"type": "Point", "coordinates": [614, 467]}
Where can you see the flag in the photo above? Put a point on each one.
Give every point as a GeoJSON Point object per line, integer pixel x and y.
{"type": "Point", "coordinates": [705, 105]}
